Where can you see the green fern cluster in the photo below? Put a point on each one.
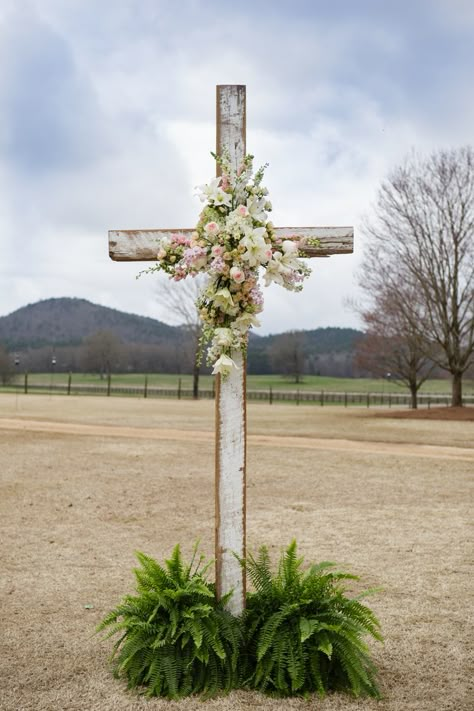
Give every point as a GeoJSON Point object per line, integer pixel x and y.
{"type": "Point", "coordinates": [299, 634]}
{"type": "Point", "coordinates": [302, 633]}
{"type": "Point", "coordinates": [175, 638]}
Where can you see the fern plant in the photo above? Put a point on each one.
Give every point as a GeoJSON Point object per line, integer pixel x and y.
{"type": "Point", "coordinates": [302, 633]}
{"type": "Point", "coordinates": [175, 638]}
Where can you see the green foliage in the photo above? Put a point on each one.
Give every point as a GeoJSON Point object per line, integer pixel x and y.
{"type": "Point", "coordinates": [175, 638]}
{"type": "Point", "coordinates": [303, 634]}
{"type": "Point", "coordinates": [299, 634]}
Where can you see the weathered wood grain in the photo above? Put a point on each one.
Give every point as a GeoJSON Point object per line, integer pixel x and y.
{"type": "Point", "coordinates": [231, 123]}
{"type": "Point", "coordinates": [142, 245]}
{"type": "Point", "coordinates": [230, 488]}
{"type": "Point", "coordinates": [230, 399]}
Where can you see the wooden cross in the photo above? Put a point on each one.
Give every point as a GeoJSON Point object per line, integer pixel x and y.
{"type": "Point", "coordinates": [142, 245]}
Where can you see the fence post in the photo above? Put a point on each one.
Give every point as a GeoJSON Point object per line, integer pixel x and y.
{"type": "Point", "coordinates": [145, 390]}
{"type": "Point", "coordinates": [297, 397]}
{"type": "Point", "coordinates": [69, 380]}
{"type": "Point", "coordinates": [390, 399]}
{"type": "Point", "coordinates": [270, 398]}
{"type": "Point", "coordinates": [179, 388]}
{"type": "Point", "coordinates": [109, 383]}
{"type": "Point", "coordinates": [26, 383]}
{"type": "Point", "coordinates": [345, 399]}
{"type": "Point", "coordinates": [429, 402]}
{"type": "Point", "coordinates": [368, 399]}
{"type": "Point", "coordinates": [322, 398]}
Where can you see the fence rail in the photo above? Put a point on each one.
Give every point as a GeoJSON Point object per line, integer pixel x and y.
{"type": "Point", "coordinates": [321, 397]}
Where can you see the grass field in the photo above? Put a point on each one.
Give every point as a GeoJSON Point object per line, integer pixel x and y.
{"type": "Point", "coordinates": [254, 382]}
{"type": "Point", "coordinates": [85, 482]}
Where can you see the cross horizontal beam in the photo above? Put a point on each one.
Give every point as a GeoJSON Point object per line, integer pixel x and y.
{"type": "Point", "coordinates": [142, 245]}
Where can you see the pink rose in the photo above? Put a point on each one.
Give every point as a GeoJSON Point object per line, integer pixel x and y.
{"type": "Point", "coordinates": [242, 210]}
{"type": "Point", "coordinates": [212, 228]}
{"type": "Point", "coordinates": [217, 250]}
{"type": "Point", "coordinates": [237, 274]}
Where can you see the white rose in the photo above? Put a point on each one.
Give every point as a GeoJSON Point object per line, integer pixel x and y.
{"type": "Point", "coordinates": [289, 246]}
{"type": "Point", "coordinates": [223, 337]}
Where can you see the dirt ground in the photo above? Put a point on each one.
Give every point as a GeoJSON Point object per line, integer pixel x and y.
{"type": "Point", "coordinates": [84, 482]}
{"type": "Point", "coordinates": [465, 414]}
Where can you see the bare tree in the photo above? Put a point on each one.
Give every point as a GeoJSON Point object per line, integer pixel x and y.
{"type": "Point", "coordinates": [102, 352]}
{"type": "Point", "coordinates": [179, 302]}
{"type": "Point", "coordinates": [422, 236]}
{"type": "Point", "coordinates": [7, 370]}
{"type": "Point", "coordinates": [287, 354]}
{"type": "Point", "coordinates": [391, 345]}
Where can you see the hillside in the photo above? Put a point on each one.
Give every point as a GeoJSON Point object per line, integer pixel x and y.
{"type": "Point", "coordinates": [313, 350]}
{"type": "Point", "coordinates": [60, 326]}
{"type": "Point", "coordinates": [66, 322]}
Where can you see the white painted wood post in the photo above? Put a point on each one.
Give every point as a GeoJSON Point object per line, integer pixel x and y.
{"type": "Point", "coordinates": [230, 399]}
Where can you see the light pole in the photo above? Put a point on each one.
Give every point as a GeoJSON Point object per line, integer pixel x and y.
{"type": "Point", "coordinates": [53, 363]}
{"type": "Point", "coordinates": [388, 376]}
{"type": "Point", "coordinates": [17, 368]}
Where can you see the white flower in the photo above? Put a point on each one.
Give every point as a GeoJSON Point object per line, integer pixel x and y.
{"type": "Point", "coordinates": [243, 322]}
{"type": "Point", "coordinates": [289, 246]}
{"type": "Point", "coordinates": [256, 208]}
{"type": "Point", "coordinates": [223, 299]}
{"type": "Point", "coordinates": [258, 251]}
{"type": "Point", "coordinates": [223, 337]}
{"type": "Point", "coordinates": [223, 198]}
{"type": "Point", "coordinates": [208, 191]}
{"type": "Point", "coordinates": [274, 270]}
{"type": "Point", "coordinates": [237, 274]}
{"type": "Point", "coordinates": [224, 365]}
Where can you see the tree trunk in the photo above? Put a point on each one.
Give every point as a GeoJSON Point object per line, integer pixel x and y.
{"type": "Point", "coordinates": [414, 396]}
{"type": "Point", "coordinates": [456, 400]}
{"type": "Point", "coordinates": [196, 369]}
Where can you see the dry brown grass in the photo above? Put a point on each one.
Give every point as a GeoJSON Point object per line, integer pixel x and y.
{"type": "Point", "coordinates": [390, 497]}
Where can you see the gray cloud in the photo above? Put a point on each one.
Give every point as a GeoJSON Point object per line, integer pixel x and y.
{"type": "Point", "coordinates": [52, 121]}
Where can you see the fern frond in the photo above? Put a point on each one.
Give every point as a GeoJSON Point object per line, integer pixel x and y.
{"type": "Point", "coordinates": [302, 633]}
{"type": "Point", "coordinates": [175, 637]}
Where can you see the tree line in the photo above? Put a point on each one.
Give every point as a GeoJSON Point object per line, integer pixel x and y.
{"type": "Point", "coordinates": [288, 354]}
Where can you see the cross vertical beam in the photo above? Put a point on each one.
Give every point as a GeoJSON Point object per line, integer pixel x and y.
{"type": "Point", "coordinates": [230, 485]}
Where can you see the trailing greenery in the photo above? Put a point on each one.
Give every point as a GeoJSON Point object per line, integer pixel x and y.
{"type": "Point", "coordinates": [303, 634]}
{"type": "Point", "coordinates": [175, 639]}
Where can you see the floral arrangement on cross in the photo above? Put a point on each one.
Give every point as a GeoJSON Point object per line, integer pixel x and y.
{"type": "Point", "coordinates": [232, 240]}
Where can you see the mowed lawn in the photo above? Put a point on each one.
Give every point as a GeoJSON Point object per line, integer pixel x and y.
{"type": "Point", "coordinates": [84, 482]}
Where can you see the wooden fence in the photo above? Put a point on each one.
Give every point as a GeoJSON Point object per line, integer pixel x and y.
{"type": "Point", "coordinates": [270, 395]}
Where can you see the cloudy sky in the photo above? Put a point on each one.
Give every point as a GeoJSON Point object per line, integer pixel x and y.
{"type": "Point", "coordinates": [107, 117]}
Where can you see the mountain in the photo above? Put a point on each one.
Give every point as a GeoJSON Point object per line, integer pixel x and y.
{"type": "Point", "coordinates": [66, 322]}
{"type": "Point", "coordinates": [60, 326]}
